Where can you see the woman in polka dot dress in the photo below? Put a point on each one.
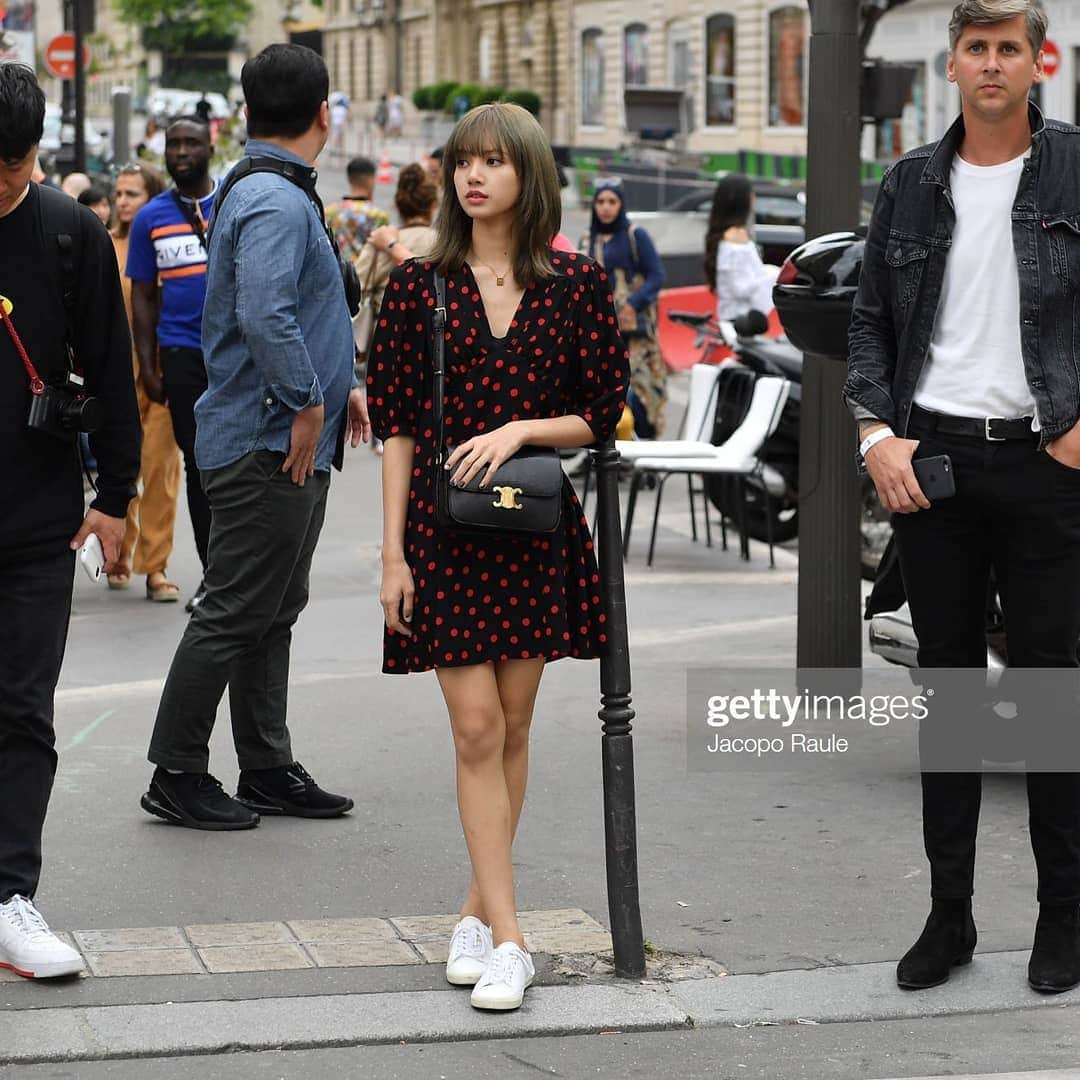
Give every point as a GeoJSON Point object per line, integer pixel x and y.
{"type": "Point", "coordinates": [533, 356]}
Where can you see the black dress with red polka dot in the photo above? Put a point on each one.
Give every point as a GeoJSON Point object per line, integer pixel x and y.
{"type": "Point", "coordinates": [501, 596]}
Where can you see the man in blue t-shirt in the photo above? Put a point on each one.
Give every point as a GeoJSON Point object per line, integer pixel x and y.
{"type": "Point", "coordinates": [167, 266]}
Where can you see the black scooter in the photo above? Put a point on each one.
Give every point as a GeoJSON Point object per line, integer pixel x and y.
{"type": "Point", "coordinates": [766, 356]}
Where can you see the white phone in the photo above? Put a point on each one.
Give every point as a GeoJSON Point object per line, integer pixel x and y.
{"type": "Point", "coordinates": [92, 557]}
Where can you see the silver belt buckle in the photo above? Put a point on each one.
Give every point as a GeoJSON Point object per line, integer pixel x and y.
{"type": "Point", "coordinates": [993, 438]}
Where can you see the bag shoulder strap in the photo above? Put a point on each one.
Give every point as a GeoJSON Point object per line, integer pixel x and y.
{"type": "Point", "coordinates": [438, 353]}
{"type": "Point", "coordinates": [301, 176]}
{"type": "Point", "coordinates": [192, 218]}
{"type": "Point", "coordinates": [631, 230]}
{"type": "Point", "coordinates": [60, 218]}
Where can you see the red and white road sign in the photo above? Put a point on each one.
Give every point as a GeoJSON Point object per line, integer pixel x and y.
{"type": "Point", "coordinates": [1051, 58]}
{"type": "Point", "coordinates": [60, 56]}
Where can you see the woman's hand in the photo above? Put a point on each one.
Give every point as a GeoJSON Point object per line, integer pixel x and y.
{"type": "Point", "coordinates": [490, 450]}
{"type": "Point", "coordinates": [382, 237]}
{"type": "Point", "coordinates": [627, 319]}
{"type": "Point", "coordinates": [396, 594]}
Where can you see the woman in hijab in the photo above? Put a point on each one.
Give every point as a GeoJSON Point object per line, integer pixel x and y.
{"type": "Point", "coordinates": [637, 275]}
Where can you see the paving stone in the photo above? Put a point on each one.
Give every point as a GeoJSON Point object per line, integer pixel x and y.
{"type": "Point", "coordinates": [370, 953]}
{"type": "Point", "coordinates": [147, 937]}
{"type": "Point", "coordinates": [143, 962]}
{"type": "Point", "coordinates": [573, 940]}
{"type": "Point", "coordinates": [559, 919]}
{"type": "Point", "coordinates": [435, 951]}
{"type": "Point", "coordinates": [425, 927]}
{"type": "Point", "coordinates": [227, 958]}
{"type": "Point", "coordinates": [342, 930]}
{"type": "Point", "coordinates": [264, 933]}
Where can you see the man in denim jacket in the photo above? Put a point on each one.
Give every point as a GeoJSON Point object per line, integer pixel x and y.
{"type": "Point", "coordinates": [963, 342]}
{"type": "Point", "coordinates": [281, 399]}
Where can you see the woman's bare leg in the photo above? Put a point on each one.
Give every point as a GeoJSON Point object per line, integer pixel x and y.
{"type": "Point", "coordinates": [518, 682]}
{"type": "Point", "coordinates": [480, 737]}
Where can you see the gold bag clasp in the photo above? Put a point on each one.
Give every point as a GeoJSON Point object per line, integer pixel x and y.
{"type": "Point", "coordinates": [507, 499]}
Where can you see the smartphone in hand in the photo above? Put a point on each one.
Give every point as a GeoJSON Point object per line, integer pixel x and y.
{"type": "Point", "coordinates": [92, 557]}
{"type": "Point", "coordinates": [935, 476]}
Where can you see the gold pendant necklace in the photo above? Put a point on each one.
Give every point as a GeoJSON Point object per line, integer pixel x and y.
{"type": "Point", "coordinates": [500, 279]}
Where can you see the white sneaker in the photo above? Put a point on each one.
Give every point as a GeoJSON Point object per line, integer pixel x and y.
{"type": "Point", "coordinates": [470, 951]}
{"type": "Point", "coordinates": [509, 972]}
{"type": "Point", "coordinates": [29, 948]}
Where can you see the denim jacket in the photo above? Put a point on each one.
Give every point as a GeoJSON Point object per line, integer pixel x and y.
{"type": "Point", "coordinates": [904, 265]}
{"type": "Point", "coordinates": [276, 331]}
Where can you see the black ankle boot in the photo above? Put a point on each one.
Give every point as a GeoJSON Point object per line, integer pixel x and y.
{"type": "Point", "coordinates": [1055, 957]}
{"type": "Point", "coordinates": [947, 940]}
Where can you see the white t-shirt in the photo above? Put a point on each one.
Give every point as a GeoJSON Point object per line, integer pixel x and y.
{"type": "Point", "coordinates": [974, 366]}
{"type": "Point", "coordinates": [743, 282]}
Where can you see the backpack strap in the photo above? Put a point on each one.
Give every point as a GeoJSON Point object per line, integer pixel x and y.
{"type": "Point", "coordinates": [60, 219]}
{"type": "Point", "coordinates": [633, 246]}
{"type": "Point", "coordinates": [299, 175]}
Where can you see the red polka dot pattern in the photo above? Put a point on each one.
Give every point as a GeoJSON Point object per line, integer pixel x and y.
{"type": "Point", "coordinates": [481, 599]}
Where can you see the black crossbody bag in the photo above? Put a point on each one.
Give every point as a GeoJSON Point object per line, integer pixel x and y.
{"type": "Point", "coordinates": [525, 494]}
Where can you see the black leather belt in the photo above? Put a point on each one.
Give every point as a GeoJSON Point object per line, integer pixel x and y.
{"type": "Point", "coordinates": [990, 428]}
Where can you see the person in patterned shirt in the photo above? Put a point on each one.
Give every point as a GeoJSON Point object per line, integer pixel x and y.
{"type": "Point", "coordinates": [354, 218]}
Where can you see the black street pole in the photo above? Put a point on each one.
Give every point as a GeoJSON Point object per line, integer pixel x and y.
{"type": "Point", "coordinates": [80, 88]}
{"type": "Point", "coordinates": [616, 717]}
{"type": "Point", "coordinates": [829, 625]}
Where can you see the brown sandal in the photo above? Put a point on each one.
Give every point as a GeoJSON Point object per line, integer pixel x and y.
{"type": "Point", "coordinates": [164, 591]}
{"type": "Point", "coordinates": [120, 579]}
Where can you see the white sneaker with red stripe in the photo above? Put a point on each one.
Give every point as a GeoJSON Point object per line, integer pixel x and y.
{"type": "Point", "coordinates": [27, 945]}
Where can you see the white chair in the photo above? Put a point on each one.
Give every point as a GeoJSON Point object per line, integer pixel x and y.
{"type": "Point", "coordinates": [736, 456]}
{"type": "Point", "coordinates": [694, 432]}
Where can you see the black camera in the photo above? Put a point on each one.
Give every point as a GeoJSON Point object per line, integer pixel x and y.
{"type": "Point", "coordinates": [65, 410]}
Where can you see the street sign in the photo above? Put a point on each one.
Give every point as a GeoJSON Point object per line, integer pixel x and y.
{"type": "Point", "coordinates": [1051, 58]}
{"type": "Point", "coordinates": [60, 56]}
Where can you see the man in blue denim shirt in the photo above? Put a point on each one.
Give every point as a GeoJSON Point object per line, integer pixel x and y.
{"type": "Point", "coordinates": [280, 401]}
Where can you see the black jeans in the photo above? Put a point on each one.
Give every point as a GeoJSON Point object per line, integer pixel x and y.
{"type": "Point", "coordinates": [264, 533]}
{"type": "Point", "coordinates": [35, 604]}
{"type": "Point", "coordinates": [1017, 512]}
{"type": "Point", "coordinates": [183, 374]}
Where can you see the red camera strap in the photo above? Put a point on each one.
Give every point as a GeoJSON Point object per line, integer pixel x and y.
{"type": "Point", "coordinates": [36, 385]}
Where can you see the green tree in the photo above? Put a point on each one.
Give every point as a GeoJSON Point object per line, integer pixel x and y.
{"type": "Point", "coordinates": [174, 26]}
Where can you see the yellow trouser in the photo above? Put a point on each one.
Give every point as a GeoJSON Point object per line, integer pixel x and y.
{"type": "Point", "coordinates": [152, 513]}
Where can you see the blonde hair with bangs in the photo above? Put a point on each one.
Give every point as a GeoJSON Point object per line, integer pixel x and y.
{"type": "Point", "coordinates": [515, 133]}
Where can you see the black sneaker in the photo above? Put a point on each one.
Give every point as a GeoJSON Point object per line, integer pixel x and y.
{"type": "Point", "coordinates": [197, 599]}
{"type": "Point", "coordinates": [197, 801]}
{"type": "Point", "coordinates": [290, 790]}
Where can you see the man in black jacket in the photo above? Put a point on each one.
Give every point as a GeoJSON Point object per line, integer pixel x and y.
{"type": "Point", "coordinates": [63, 313]}
{"type": "Point", "coordinates": [963, 343]}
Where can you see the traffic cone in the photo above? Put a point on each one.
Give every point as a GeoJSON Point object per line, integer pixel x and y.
{"type": "Point", "coordinates": [386, 171]}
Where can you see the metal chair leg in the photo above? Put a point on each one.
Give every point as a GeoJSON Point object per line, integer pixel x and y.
{"type": "Point", "coordinates": [693, 512]}
{"type": "Point", "coordinates": [768, 523]}
{"type": "Point", "coordinates": [705, 503]}
{"type": "Point", "coordinates": [635, 486]}
{"type": "Point", "coordinates": [656, 517]}
{"type": "Point", "coordinates": [744, 539]}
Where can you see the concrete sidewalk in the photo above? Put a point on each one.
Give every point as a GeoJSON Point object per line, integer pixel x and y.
{"type": "Point", "coordinates": [838, 995]}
